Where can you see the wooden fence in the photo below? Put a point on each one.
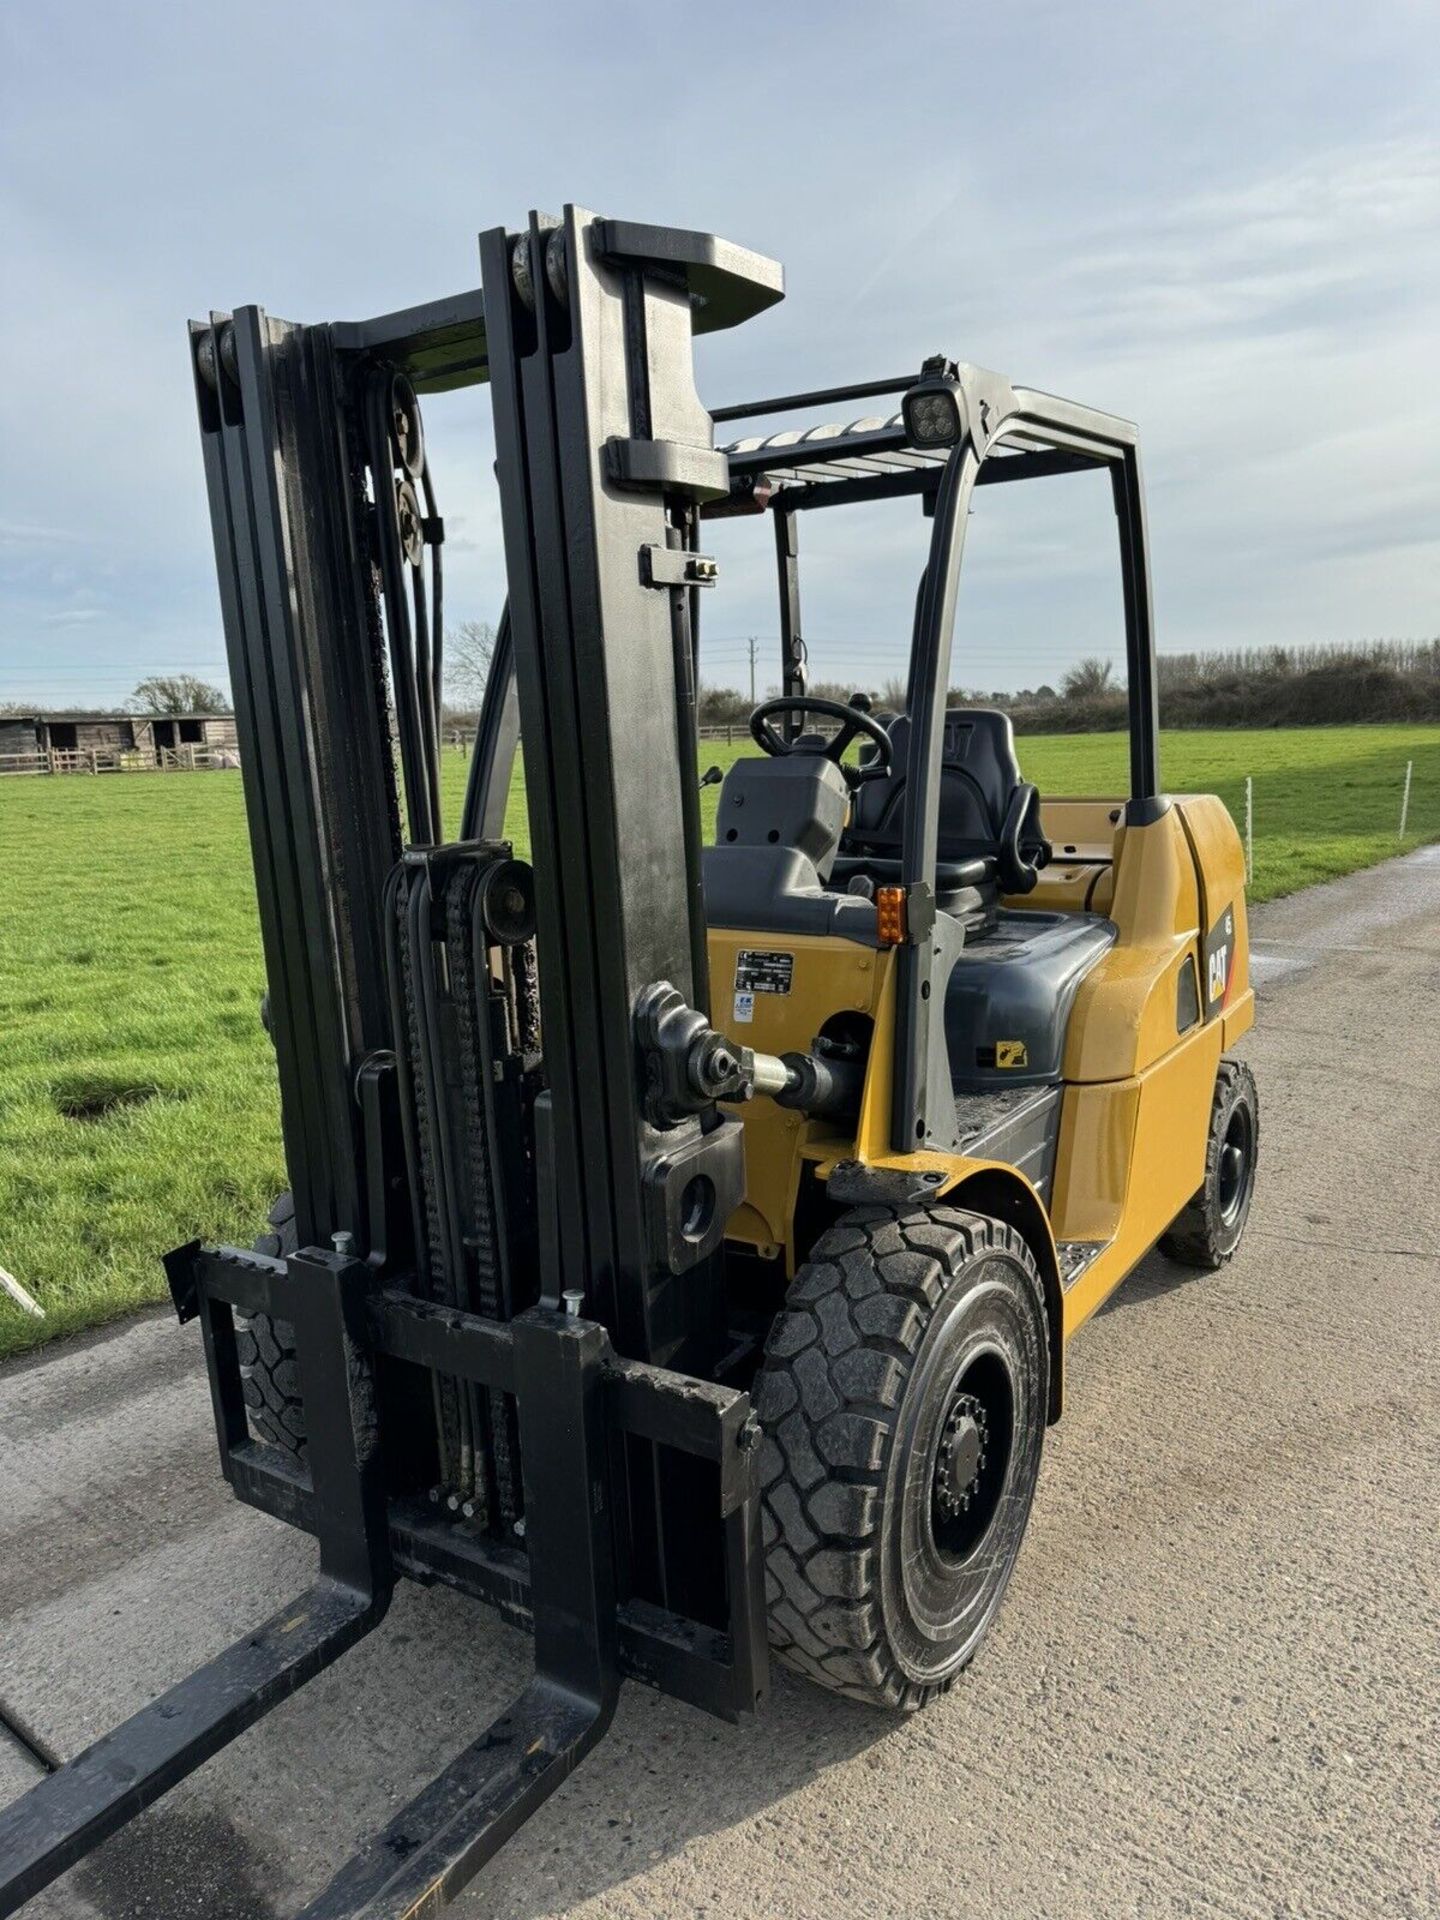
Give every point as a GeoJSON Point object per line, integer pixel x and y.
{"type": "Point", "coordinates": [739, 730]}
{"type": "Point", "coordinates": [186, 759]}
{"type": "Point", "coordinates": [736, 732]}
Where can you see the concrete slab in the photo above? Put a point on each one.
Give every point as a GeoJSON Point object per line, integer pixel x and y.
{"type": "Point", "coordinates": [1354, 914]}
{"type": "Point", "coordinates": [1212, 1690]}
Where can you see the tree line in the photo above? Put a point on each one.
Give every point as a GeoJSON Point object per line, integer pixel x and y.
{"type": "Point", "coordinates": [1377, 680]}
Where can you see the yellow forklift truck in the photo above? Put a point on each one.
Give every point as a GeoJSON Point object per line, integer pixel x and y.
{"type": "Point", "coordinates": [682, 1242]}
{"type": "Point", "coordinates": [1007, 1018]}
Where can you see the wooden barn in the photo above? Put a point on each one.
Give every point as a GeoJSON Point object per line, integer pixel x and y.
{"type": "Point", "coordinates": [116, 742]}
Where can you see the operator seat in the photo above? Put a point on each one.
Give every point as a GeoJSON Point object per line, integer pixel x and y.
{"type": "Point", "coordinates": [988, 814]}
{"type": "Point", "coordinates": [1015, 978]}
{"type": "Point", "coordinates": [979, 779]}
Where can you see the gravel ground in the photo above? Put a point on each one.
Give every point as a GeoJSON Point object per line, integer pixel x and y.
{"type": "Point", "coordinates": [1213, 1688]}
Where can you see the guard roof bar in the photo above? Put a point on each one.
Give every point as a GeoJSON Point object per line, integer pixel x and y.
{"type": "Point", "coordinates": [821, 397]}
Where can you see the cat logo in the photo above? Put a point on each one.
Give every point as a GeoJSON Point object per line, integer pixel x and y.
{"type": "Point", "coordinates": [1219, 952]}
{"type": "Point", "coordinates": [1011, 1053]}
{"type": "Point", "coordinates": [1219, 972]}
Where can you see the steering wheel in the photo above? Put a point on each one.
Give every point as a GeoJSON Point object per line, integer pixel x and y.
{"type": "Point", "coordinates": [852, 720]}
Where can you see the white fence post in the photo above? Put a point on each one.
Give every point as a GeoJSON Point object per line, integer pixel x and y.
{"type": "Point", "coordinates": [26, 1302]}
{"type": "Point", "coordinates": [1405, 797]}
{"type": "Point", "coordinates": [1249, 830]}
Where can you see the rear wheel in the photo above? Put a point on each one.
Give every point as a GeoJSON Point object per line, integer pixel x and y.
{"type": "Point", "coordinates": [903, 1398]}
{"type": "Point", "coordinates": [268, 1373]}
{"type": "Point", "coordinates": [1207, 1233]}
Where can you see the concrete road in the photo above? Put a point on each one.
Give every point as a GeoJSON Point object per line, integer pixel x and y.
{"type": "Point", "coordinates": [1212, 1690]}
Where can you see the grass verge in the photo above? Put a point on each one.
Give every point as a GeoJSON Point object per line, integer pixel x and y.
{"type": "Point", "coordinates": [137, 1089]}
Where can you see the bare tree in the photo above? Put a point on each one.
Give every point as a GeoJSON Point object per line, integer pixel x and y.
{"type": "Point", "coordinates": [469, 649]}
{"type": "Point", "coordinates": [178, 693]}
{"type": "Point", "coordinates": [1089, 676]}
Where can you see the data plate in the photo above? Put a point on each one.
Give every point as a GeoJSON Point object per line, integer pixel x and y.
{"type": "Point", "coordinates": [759, 971]}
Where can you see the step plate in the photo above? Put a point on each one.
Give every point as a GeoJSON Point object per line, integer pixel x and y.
{"type": "Point", "coordinates": [1076, 1257]}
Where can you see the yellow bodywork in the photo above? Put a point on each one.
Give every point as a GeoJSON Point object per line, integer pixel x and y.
{"type": "Point", "coordinates": [1137, 1090]}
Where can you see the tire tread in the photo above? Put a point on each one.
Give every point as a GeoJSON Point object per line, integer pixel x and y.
{"type": "Point", "coordinates": [269, 1379]}
{"type": "Point", "coordinates": [1190, 1239]}
{"type": "Point", "coordinates": [867, 1292]}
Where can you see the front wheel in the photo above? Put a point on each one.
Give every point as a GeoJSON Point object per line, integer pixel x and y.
{"type": "Point", "coordinates": [903, 1400]}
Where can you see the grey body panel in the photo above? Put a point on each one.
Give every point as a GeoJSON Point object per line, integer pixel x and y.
{"type": "Point", "coordinates": [1014, 989]}
{"type": "Point", "coordinates": [795, 800]}
{"type": "Point", "coordinates": [1018, 1126]}
{"type": "Point", "coordinates": [776, 832]}
{"type": "Point", "coordinates": [777, 890]}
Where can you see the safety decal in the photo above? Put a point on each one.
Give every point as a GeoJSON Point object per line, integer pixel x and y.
{"type": "Point", "coordinates": [1011, 1053]}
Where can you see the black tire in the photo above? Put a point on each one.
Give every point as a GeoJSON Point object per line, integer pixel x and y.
{"type": "Point", "coordinates": [1209, 1230]}
{"type": "Point", "coordinates": [268, 1374]}
{"type": "Point", "coordinates": [876, 1588]}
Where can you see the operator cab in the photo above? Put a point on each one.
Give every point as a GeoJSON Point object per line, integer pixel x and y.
{"type": "Point", "coordinates": [927, 840]}
{"type": "Point", "coordinates": [931, 819]}
{"type": "Point", "coordinates": [805, 840]}
{"type": "Point", "coordinates": [803, 829]}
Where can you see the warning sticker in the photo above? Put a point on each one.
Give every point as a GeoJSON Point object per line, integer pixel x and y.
{"type": "Point", "coordinates": [758, 971]}
{"type": "Point", "coordinates": [1011, 1053]}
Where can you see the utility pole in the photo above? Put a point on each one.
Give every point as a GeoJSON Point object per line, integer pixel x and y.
{"type": "Point", "coordinates": [752, 669]}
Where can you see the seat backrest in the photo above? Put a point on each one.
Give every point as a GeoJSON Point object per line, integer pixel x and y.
{"type": "Point", "coordinates": [979, 773]}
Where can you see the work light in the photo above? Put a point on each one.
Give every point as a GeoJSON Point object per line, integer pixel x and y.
{"type": "Point", "coordinates": [932, 406]}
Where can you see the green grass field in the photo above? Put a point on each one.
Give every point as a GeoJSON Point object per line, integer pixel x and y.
{"type": "Point", "coordinates": [137, 1089]}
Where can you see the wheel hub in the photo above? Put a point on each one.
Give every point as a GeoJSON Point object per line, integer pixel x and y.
{"type": "Point", "coordinates": [960, 1460]}
{"type": "Point", "coordinates": [1234, 1165]}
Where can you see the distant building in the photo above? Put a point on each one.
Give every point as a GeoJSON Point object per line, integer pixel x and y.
{"type": "Point", "coordinates": [108, 742]}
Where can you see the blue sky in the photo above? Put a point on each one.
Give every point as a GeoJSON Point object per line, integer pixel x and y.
{"type": "Point", "coordinates": [1221, 221]}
